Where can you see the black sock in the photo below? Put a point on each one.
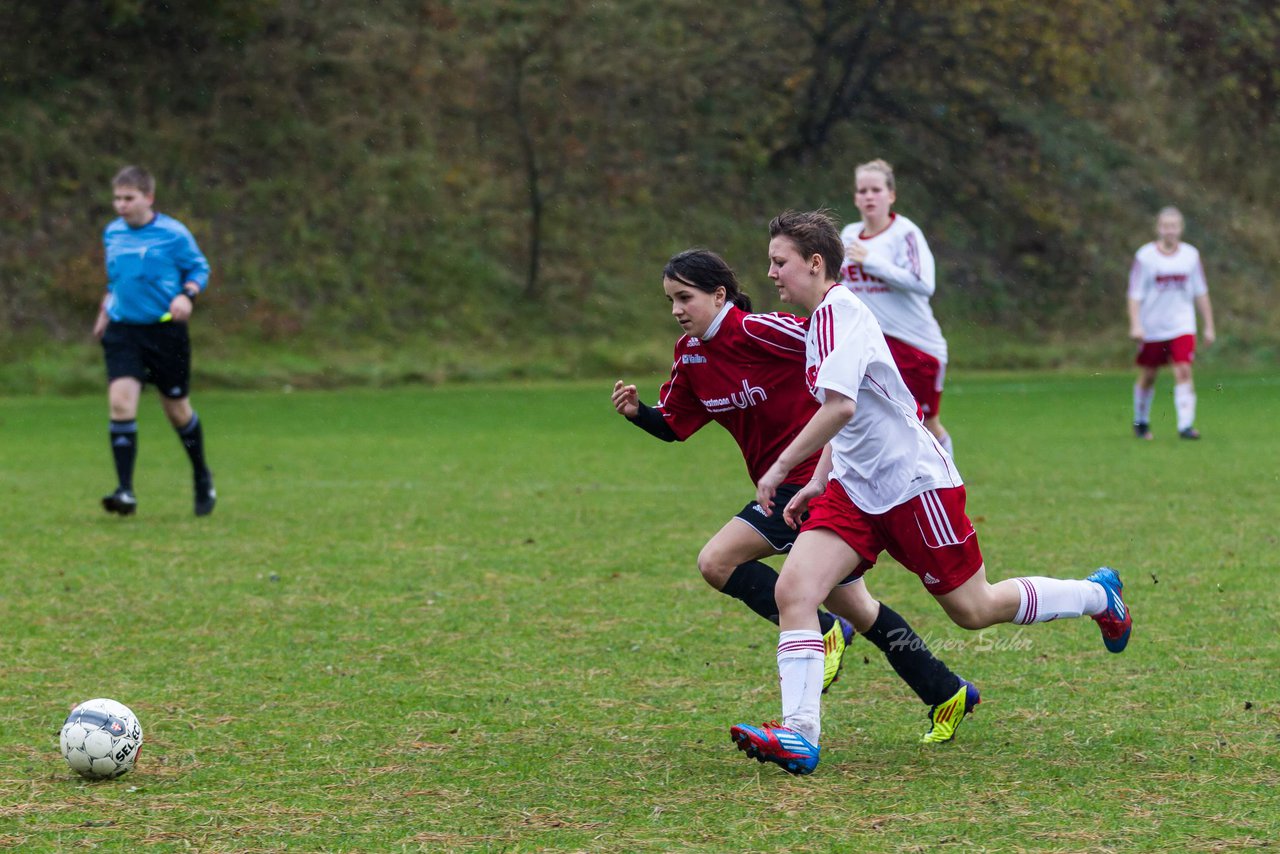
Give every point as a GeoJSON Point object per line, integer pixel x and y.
{"type": "Point", "coordinates": [907, 652]}
{"type": "Point", "coordinates": [192, 437]}
{"type": "Point", "coordinates": [124, 447]}
{"type": "Point", "coordinates": [753, 582]}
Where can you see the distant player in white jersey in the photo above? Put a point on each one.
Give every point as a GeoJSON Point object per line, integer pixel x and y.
{"type": "Point", "coordinates": [887, 263]}
{"type": "Point", "coordinates": [883, 483]}
{"type": "Point", "coordinates": [1166, 286]}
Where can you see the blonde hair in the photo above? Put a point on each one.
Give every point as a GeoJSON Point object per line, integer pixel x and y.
{"type": "Point", "coordinates": [1170, 210]}
{"type": "Point", "coordinates": [876, 165]}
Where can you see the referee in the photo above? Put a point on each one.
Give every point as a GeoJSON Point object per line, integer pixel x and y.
{"type": "Point", "coordinates": [155, 272]}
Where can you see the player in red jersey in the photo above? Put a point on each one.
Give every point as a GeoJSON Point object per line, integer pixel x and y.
{"type": "Point", "coordinates": [889, 266]}
{"type": "Point", "coordinates": [883, 483]}
{"type": "Point", "coordinates": [1166, 286]}
{"type": "Point", "coordinates": [746, 372]}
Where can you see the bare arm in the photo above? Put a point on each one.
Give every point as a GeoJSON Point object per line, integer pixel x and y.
{"type": "Point", "coordinates": [1135, 320]}
{"type": "Point", "coordinates": [817, 485]}
{"type": "Point", "coordinates": [830, 418]}
{"type": "Point", "coordinates": [1206, 313]}
{"type": "Point", "coordinates": [101, 321]}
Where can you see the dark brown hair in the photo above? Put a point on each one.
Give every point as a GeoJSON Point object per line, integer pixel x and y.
{"type": "Point", "coordinates": [813, 233]}
{"type": "Point", "coordinates": [706, 271]}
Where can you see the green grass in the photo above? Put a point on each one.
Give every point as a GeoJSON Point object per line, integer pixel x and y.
{"type": "Point", "coordinates": [468, 618]}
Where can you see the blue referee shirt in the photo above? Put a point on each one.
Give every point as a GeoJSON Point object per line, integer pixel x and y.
{"type": "Point", "coordinates": [147, 267]}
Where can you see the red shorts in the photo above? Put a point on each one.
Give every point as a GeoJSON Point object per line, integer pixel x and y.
{"type": "Point", "coordinates": [1153, 354]}
{"type": "Point", "coordinates": [929, 534]}
{"type": "Point", "coordinates": [921, 372]}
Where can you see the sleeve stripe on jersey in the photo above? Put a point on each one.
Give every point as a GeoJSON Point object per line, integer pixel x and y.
{"type": "Point", "coordinates": [913, 254]}
{"type": "Point", "coordinates": [791, 329]}
{"type": "Point", "coordinates": [675, 370]}
{"type": "Point", "coordinates": [823, 332]}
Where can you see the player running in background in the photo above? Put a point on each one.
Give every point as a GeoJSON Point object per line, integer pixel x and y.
{"type": "Point", "coordinates": [883, 483]}
{"type": "Point", "coordinates": [1166, 286]}
{"type": "Point", "coordinates": [155, 271]}
{"type": "Point", "coordinates": [887, 263]}
{"type": "Point", "coordinates": [746, 372]}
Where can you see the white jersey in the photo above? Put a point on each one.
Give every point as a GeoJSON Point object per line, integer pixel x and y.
{"type": "Point", "coordinates": [884, 456]}
{"type": "Point", "coordinates": [895, 281]}
{"type": "Point", "coordinates": [1166, 286]}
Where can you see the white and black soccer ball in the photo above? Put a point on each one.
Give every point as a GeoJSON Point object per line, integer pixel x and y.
{"type": "Point", "coordinates": [101, 739]}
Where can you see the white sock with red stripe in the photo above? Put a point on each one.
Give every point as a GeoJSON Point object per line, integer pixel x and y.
{"type": "Point", "coordinates": [1142, 404]}
{"type": "Point", "coordinates": [800, 671]}
{"type": "Point", "coordinates": [1184, 402]}
{"type": "Point", "coordinates": [1044, 599]}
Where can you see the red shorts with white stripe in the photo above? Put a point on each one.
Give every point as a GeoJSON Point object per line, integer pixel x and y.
{"type": "Point", "coordinates": [929, 534]}
{"type": "Point", "coordinates": [922, 373]}
{"type": "Point", "coordinates": [1153, 354]}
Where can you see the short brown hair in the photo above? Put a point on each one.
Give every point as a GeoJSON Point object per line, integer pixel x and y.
{"type": "Point", "coordinates": [136, 177]}
{"type": "Point", "coordinates": [813, 233]}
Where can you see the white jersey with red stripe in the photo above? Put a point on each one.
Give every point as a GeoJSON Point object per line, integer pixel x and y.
{"type": "Point", "coordinates": [746, 375]}
{"type": "Point", "coordinates": [884, 456]}
{"type": "Point", "coordinates": [896, 280]}
{"type": "Point", "coordinates": [1166, 285]}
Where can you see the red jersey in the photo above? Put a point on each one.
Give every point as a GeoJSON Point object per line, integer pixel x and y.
{"type": "Point", "coordinates": [748, 376]}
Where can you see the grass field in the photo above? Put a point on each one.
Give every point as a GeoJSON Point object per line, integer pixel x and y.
{"type": "Point", "coordinates": [469, 619]}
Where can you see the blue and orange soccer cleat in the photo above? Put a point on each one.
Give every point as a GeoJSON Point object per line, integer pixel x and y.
{"type": "Point", "coordinates": [945, 718]}
{"type": "Point", "coordinates": [778, 744]}
{"type": "Point", "coordinates": [1116, 622]}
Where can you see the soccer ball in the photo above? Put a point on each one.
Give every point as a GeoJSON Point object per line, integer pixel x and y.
{"type": "Point", "coordinates": [101, 739]}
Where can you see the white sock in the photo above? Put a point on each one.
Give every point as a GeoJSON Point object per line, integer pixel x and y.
{"type": "Point", "coordinates": [1045, 599]}
{"type": "Point", "coordinates": [800, 666]}
{"type": "Point", "coordinates": [1184, 401]}
{"type": "Point", "coordinates": [1142, 404]}
{"type": "Point", "coordinates": [945, 442]}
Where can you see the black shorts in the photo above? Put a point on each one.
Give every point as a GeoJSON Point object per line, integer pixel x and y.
{"type": "Point", "coordinates": [157, 353]}
{"type": "Point", "coordinates": [773, 528]}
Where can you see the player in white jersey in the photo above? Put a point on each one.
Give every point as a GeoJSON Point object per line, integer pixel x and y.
{"type": "Point", "coordinates": [883, 483]}
{"type": "Point", "coordinates": [1166, 286]}
{"type": "Point", "coordinates": [745, 372]}
{"type": "Point", "coordinates": [887, 263]}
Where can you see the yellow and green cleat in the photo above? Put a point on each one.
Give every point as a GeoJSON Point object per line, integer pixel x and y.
{"type": "Point", "coordinates": [945, 718]}
{"type": "Point", "coordinates": [834, 643]}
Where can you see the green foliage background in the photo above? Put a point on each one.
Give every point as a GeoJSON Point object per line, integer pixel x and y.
{"type": "Point", "coordinates": [436, 189]}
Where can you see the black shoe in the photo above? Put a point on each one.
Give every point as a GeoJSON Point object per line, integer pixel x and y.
{"type": "Point", "coordinates": [206, 497]}
{"type": "Point", "coordinates": [1189, 433]}
{"type": "Point", "coordinates": [121, 501]}
{"type": "Point", "coordinates": [1142, 430]}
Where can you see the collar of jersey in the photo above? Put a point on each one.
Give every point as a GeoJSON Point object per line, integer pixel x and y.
{"type": "Point", "coordinates": [715, 324]}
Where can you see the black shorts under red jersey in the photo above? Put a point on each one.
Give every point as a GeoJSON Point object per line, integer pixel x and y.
{"type": "Point", "coordinates": [157, 353]}
{"type": "Point", "coordinates": [775, 530]}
